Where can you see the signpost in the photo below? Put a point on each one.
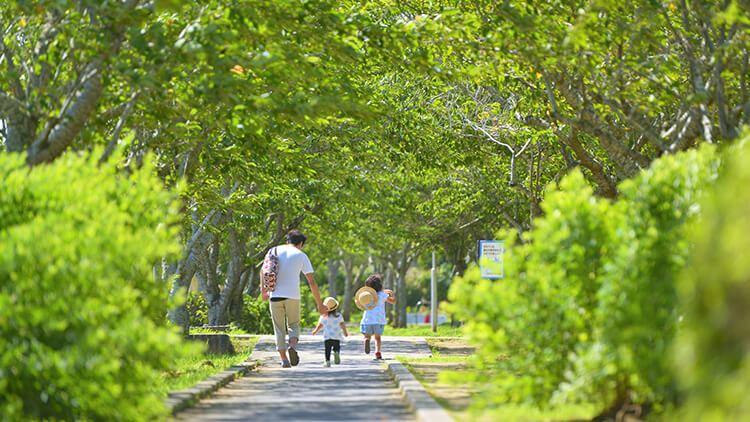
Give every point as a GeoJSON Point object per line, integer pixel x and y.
{"type": "Point", "coordinates": [491, 259]}
{"type": "Point", "coordinates": [433, 296]}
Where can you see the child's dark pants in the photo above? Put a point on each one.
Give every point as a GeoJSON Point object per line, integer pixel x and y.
{"type": "Point", "coordinates": [332, 344]}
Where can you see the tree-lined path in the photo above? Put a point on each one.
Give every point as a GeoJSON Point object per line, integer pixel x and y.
{"type": "Point", "coordinates": [359, 389]}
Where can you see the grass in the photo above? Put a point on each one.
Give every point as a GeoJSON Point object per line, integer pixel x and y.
{"type": "Point", "coordinates": [447, 377]}
{"type": "Point", "coordinates": [199, 366]}
{"type": "Point", "coordinates": [438, 358]}
{"type": "Point", "coordinates": [444, 330]}
{"type": "Point", "coordinates": [232, 331]}
{"type": "Point", "coordinates": [527, 413]}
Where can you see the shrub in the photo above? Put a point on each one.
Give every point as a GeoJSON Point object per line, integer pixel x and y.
{"type": "Point", "coordinates": [587, 311]}
{"type": "Point", "coordinates": [256, 317]}
{"type": "Point", "coordinates": [543, 309]}
{"type": "Point", "coordinates": [82, 332]}
{"type": "Point", "coordinates": [636, 304]}
{"type": "Point", "coordinates": [197, 309]}
{"type": "Point", "coordinates": [713, 348]}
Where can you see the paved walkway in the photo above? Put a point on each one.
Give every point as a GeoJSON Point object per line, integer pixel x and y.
{"type": "Point", "coordinates": [359, 389]}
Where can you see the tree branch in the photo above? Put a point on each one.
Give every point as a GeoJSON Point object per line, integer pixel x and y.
{"type": "Point", "coordinates": [120, 124]}
{"type": "Point", "coordinates": [15, 82]}
{"type": "Point", "coordinates": [60, 135]}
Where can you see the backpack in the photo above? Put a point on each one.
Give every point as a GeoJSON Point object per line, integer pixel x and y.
{"type": "Point", "coordinates": [269, 270]}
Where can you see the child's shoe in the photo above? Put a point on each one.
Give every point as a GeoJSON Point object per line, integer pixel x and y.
{"type": "Point", "coordinates": [378, 356]}
{"type": "Point", "coordinates": [336, 358]}
{"type": "Point", "coordinates": [367, 346]}
{"type": "Point", "coordinates": [285, 364]}
{"type": "Point", "coordinates": [327, 364]}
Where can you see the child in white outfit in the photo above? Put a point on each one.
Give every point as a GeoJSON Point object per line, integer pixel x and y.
{"type": "Point", "coordinates": [333, 326]}
{"type": "Point", "coordinates": [373, 319]}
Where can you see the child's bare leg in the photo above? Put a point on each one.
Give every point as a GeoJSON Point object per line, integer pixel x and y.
{"type": "Point", "coordinates": [377, 343]}
{"type": "Point", "coordinates": [367, 342]}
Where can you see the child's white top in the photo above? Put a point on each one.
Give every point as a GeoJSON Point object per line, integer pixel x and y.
{"type": "Point", "coordinates": [376, 315]}
{"type": "Point", "coordinates": [332, 327]}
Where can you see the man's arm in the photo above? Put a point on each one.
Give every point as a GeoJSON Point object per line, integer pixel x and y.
{"type": "Point", "coordinates": [316, 294]}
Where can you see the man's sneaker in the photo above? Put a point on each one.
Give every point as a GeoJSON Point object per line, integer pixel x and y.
{"type": "Point", "coordinates": [293, 356]}
{"type": "Point", "coordinates": [336, 358]}
{"type": "Point", "coordinates": [367, 346]}
{"type": "Point", "coordinates": [327, 364]}
{"type": "Point", "coordinates": [285, 364]}
{"type": "Point", "coordinates": [378, 356]}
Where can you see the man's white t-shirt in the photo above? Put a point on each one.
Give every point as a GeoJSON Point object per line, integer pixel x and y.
{"type": "Point", "coordinates": [292, 261]}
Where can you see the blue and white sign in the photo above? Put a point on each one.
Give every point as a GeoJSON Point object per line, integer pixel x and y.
{"type": "Point", "coordinates": [491, 259]}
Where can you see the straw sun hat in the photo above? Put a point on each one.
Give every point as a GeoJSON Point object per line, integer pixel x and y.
{"type": "Point", "coordinates": [366, 298]}
{"type": "Point", "coordinates": [331, 303]}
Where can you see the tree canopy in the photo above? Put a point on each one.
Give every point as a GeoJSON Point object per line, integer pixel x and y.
{"type": "Point", "coordinates": [383, 129]}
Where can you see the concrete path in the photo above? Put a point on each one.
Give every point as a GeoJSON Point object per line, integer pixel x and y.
{"type": "Point", "coordinates": [359, 389]}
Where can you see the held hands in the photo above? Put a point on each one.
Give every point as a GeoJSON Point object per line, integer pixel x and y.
{"type": "Point", "coordinates": [322, 309]}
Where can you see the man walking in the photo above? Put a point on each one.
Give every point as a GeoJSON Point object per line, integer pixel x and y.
{"type": "Point", "coordinates": [285, 299]}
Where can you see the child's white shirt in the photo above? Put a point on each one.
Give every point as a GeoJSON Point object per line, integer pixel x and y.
{"type": "Point", "coordinates": [332, 327]}
{"type": "Point", "coordinates": [376, 315]}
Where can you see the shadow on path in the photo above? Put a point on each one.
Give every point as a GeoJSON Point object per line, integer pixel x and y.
{"type": "Point", "coordinates": [359, 389]}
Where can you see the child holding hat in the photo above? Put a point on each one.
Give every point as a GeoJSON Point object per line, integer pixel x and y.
{"type": "Point", "coordinates": [372, 299]}
{"type": "Point", "coordinates": [332, 325]}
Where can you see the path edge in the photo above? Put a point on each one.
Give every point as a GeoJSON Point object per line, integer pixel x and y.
{"type": "Point", "coordinates": [420, 401]}
{"type": "Point", "coordinates": [179, 400]}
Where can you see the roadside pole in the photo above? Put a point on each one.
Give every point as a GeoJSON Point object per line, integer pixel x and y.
{"type": "Point", "coordinates": [433, 296]}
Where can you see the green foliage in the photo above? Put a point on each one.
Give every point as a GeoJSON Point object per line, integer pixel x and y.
{"type": "Point", "coordinates": [198, 365]}
{"type": "Point", "coordinates": [197, 309]}
{"type": "Point", "coordinates": [587, 309]}
{"type": "Point", "coordinates": [636, 304]}
{"type": "Point", "coordinates": [82, 333]}
{"type": "Point", "coordinates": [443, 330]}
{"type": "Point", "coordinates": [256, 316]}
{"type": "Point", "coordinates": [308, 309]}
{"type": "Point", "coordinates": [712, 355]}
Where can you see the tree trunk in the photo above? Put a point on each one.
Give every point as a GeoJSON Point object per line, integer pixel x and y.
{"type": "Point", "coordinates": [220, 314]}
{"type": "Point", "coordinates": [351, 284]}
{"type": "Point", "coordinates": [213, 293]}
{"type": "Point", "coordinates": [333, 271]}
{"type": "Point", "coordinates": [401, 299]}
{"type": "Point", "coordinates": [346, 305]}
{"type": "Point", "coordinates": [251, 288]}
{"type": "Point", "coordinates": [390, 311]}
{"type": "Point", "coordinates": [179, 315]}
{"type": "Point", "coordinates": [400, 265]}
{"type": "Point", "coordinates": [197, 244]}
